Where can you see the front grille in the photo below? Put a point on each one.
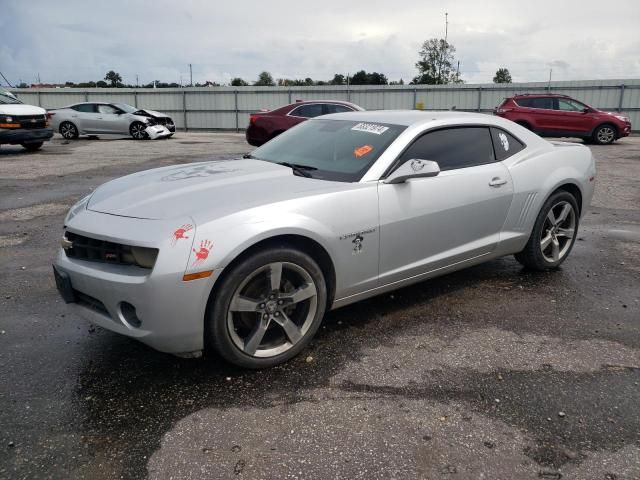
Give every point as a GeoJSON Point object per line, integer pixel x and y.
{"type": "Point", "coordinates": [95, 250]}
{"type": "Point", "coordinates": [90, 302]}
{"type": "Point", "coordinates": [31, 122]}
{"type": "Point", "coordinates": [164, 121]}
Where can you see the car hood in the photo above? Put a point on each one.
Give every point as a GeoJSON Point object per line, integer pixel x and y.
{"type": "Point", "coordinates": [20, 109]}
{"type": "Point", "coordinates": [216, 188]}
{"type": "Point", "coordinates": [144, 112]}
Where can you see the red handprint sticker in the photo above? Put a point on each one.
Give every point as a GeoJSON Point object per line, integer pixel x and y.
{"type": "Point", "coordinates": [180, 233]}
{"type": "Point", "coordinates": [203, 252]}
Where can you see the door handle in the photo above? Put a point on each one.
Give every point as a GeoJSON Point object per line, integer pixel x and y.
{"type": "Point", "coordinates": [497, 182]}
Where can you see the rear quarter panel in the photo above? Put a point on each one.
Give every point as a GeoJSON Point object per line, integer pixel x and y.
{"type": "Point", "coordinates": [536, 175]}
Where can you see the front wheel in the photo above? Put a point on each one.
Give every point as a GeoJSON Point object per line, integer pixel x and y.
{"type": "Point", "coordinates": [553, 235]}
{"type": "Point", "coordinates": [32, 147]}
{"type": "Point", "coordinates": [137, 131]}
{"type": "Point", "coordinates": [604, 135]}
{"type": "Point", "coordinates": [267, 309]}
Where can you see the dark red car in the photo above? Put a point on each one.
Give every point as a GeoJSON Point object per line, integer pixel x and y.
{"type": "Point", "coordinates": [563, 116]}
{"type": "Point", "coordinates": [263, 126]}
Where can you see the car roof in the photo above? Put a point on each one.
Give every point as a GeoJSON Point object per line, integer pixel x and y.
{"type": "Point", "coordinates": [413, 117]}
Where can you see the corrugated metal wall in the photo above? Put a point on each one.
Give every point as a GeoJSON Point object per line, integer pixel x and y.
{"type": "Point", "coordinates": [228, 108]}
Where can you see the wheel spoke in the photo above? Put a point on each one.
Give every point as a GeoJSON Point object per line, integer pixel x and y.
{"type": "Point", "coordinates": [243, 304]}
{"type": "Point", "coordinates": [565, 232]}
{"type": "Point", "coordinates": [275, 276]}
{"type": "Point", "coordinates": [544, 243]}
{"type": "Point", "coordinates": [564, 213]}
{"type": "Point", "coordinates": [291, 330]}
{"type": "Point", "coordinates": [552, 218]}
{"type": "Point", "coordinates": [254, 339]}
{"type": "Point", "coordinates": [306, 291]}
{"type": "Point", "coordinates": [555, 245]}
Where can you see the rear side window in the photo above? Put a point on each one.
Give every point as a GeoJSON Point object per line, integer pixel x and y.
{"type": "Point", "coordinates": [505, 144]}
{"type": "Point", "coordinates": [453, 148]}
{"type": "Point", "coordinates": [308, 111]}
{"type": "Point", "coordinates": [85, 107]}
{"type": "Point", "coordinates": [545, 103]}
{"type": "Point", "coordinates": [333, 108]}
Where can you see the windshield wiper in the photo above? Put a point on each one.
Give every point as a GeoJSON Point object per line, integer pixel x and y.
{"type": "Point", "coordinates": [299, 169]}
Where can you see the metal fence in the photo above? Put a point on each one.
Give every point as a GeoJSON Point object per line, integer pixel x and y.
{"type": "Point", "coordinates": [228, 108]}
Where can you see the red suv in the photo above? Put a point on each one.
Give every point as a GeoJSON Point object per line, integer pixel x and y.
{"type": "Point", "coordinates": [563, 116]}
{"type": "Point", "coordinates": [263, 126]}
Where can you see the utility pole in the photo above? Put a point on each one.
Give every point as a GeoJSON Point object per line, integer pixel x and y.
{"type": "Point", "coordinates": [549, 84]}
{"type": "Point", "coordinates": [458, 72]}
{"type": "Point", "coordinates": [137, 83]}
{"type": "Point", "coordinates": [444, 48]}
{"type": "Point", "coordinates": [190, 75]}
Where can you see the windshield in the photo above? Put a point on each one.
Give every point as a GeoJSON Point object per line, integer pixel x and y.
{"type": "Point", "coordinates": [125, 108]}
{"type": "Point", "coordinates": [340, 150]}
{"type": "Point", "coordinates": [7, 98]}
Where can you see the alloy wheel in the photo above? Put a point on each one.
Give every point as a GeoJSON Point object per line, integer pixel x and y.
{"type": "Point", "coordinates": [68, 130]}
{"type": "Point", "coordinates": [137, 131]}
{"type": "Point", "coordinates": [606, 135]}
{"type": "Point", "coordinates": [558, 231]}
{"type": "Point", "coordinates": [272, 309]}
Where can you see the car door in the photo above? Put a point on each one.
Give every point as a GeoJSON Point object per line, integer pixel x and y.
{"type": "Point", "coordinates": [574, 116]}
{"type": "Point", "coordinates": [542, 113]}
{"type": "Point", "coordinates": [84, 116]}
{"type": "Point", "coordinates": [430, 223]}
{"type": "Point", "coordinates": [110, 120]}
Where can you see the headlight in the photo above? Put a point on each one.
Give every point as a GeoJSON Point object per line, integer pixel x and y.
{"type": "Point", "coordinates": [77, 208]}
{"type": "Point", "coordinates": [141, 256]}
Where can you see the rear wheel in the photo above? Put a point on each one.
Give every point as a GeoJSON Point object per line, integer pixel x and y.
{"type": "Point", "coordinates": [68, 130]}
{"type": "Point", "coordinates": [525, 125]}
{"type": "Point", "coordinates": [32, 147]}
{"type": "Point", "coordinates": [137, 131]}
{"type": "Point", "coordinates": [267, 309]}
{"type": "Point", "coordinates": [604, 134]}
{"type": "Point", "coordinates": [553, 235]}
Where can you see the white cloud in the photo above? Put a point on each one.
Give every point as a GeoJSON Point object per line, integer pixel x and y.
{"type": "Point", "coordinates": [78, 40]}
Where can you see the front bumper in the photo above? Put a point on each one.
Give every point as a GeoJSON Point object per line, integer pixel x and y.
{"type": "Point", "coordinates": [19, 136]}
{"type": "Point", "coordinates": [170, 311]}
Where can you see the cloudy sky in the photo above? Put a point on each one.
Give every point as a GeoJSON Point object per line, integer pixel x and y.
{"type": "Point", "coordinates": [79, 40]}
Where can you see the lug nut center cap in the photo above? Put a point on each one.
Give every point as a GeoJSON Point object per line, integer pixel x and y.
{"type": "Point", "coordinates": [271, 306]}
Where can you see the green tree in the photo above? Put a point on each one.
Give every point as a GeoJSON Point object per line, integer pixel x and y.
{"type": "Point", "coordinates": [502, 76]}
{"type": "Point", "coordinates": [113, 78]}
{"type": "Point", "coordinates": [338, 79]}
{"type": "Point", "coordinates": [364, 78]}
{"type": "Point", "coordinates": [435, 66]}
{"type": "Point", "coordinates": [265, 80]}
{"type": "Point", "coordinates": [101, 84]}
{"type": "Point", "coordinates": [238, 82]}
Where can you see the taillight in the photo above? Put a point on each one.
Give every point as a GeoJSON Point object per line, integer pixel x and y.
{"type": "Point", "coordinates": [252, 119]}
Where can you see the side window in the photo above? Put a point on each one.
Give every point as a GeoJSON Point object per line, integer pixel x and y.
{"type": "Point", "coordinates": [545, 103]}
{"type": "Point", "coordinates": [108, 109]}
{"type": "Point", "coordinates": [85, 107]}
{"type": "Point", "coordinates": [524, 102]}
{"type": "Point", "coordinates": [505, 144]}
{"type": "Point", "coordinates": [453, 147]}
{"type": "Point", "coordinates": [569, 105]}
{"type": "Point", "coordinates": [308, 111]}
{"type": "Point", "coordinates": [335, 108]}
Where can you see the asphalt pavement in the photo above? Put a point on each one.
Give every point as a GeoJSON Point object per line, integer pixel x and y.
{"type": "Point", "coordinates": [493, 372]}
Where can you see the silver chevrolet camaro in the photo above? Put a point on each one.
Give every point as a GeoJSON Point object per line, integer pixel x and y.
{"type": "Point", "coordinates": [245, 256]}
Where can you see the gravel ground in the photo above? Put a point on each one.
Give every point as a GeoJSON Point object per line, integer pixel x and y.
{"type": "Point", "coordinates": [492, 372]}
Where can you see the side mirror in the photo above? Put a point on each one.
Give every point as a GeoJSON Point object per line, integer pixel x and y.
{"type": "Point", "coordinates": [586, 110]}
{"type": "Point", "coordinates": [414, 168]}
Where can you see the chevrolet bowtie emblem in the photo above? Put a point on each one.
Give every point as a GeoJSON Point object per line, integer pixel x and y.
{"type": "Point", "coordinates": [65, 243]}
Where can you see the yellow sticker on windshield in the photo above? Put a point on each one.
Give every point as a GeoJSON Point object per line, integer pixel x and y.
{"type": "Point", "coordinates": [362, 151]}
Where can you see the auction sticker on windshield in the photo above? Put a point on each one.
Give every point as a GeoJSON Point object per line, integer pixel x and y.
{"type": "Point", "coordinates": [370, 128]}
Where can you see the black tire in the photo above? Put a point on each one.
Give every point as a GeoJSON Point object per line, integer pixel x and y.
{"type": "Point", "coordinates": [587, 140]}
{"type": "Point", "coordinates": [605, 134]}
{"type": "Point", "coordinates": [533, 255]}
{"type": "Point", "coordinates": [218, 334]}
{"type": "Point", "coordinates": [525, 125]}
{"type": "Point", "coordinates": [32, 147]}
{"type": "Point", "coordinates": [136, 130]}
{"type": "Point", "coordinates": [68, 130]}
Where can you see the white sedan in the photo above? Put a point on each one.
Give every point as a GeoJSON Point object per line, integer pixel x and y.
{"type": "Point", "coordinates": [245, 256]}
